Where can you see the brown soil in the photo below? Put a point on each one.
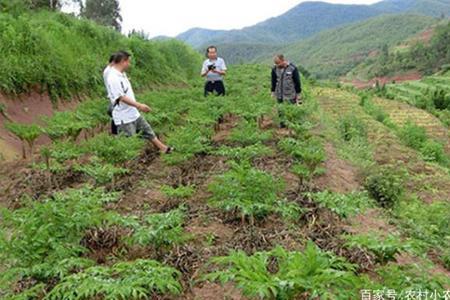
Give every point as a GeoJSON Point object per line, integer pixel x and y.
{"type": "Point", "coordinates": [361, 84]}
{"type": "Point", "coordinates": [26, 108]}
{"type": "Point", "coordinates": [340, 176]}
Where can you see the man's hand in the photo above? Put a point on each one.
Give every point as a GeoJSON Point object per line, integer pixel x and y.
{"type": "Point", "coordinates": [143, 108]}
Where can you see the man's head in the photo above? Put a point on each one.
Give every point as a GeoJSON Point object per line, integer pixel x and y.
{"type": "Point", "coordinates": [211, 52]}
{"type": "Point", "coordinates": [122, 60]}
{"type": "Point", "coordinates": [280, 61]}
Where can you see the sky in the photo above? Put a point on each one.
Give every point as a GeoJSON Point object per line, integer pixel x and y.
{"type": "Point", "coordinates": [172, 17]}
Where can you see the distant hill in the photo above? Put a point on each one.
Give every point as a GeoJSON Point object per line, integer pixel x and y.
{"type": "Point", "coordinates": [309, 18]}
{"type": "Point", "coordinates": [337, 51]}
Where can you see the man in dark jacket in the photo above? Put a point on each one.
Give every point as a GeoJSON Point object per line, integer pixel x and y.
{"type": "Point", "coordinates": [286, 85]}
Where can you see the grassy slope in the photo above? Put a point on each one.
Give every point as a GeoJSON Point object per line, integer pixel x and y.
{"type": "Point", "coordinates": [64, 56]}
{"type": "Point", "coordinates": [189, 122]}
{"type": "Point", "coordinates": [335, 52]}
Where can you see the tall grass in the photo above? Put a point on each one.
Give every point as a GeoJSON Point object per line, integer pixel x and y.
{"type": "Point", "coordinates": [64, 56]}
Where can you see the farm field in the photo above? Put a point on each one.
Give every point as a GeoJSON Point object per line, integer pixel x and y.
{"type": "Point", "coordinates": [352, 199]}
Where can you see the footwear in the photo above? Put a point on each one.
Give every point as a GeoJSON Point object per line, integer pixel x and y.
{"type": "Point", "coordinates": [169, 150]}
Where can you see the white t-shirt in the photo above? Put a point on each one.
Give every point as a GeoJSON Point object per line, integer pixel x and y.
{"type": "Point", "coordinates": [106, 72]}
{"type": "Point", "coordinates": [118, 86]}
{"type": "Point", "coordinates": [220, 66]}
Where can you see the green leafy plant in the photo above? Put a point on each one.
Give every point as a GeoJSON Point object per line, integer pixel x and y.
{"type": "Point", "coordinates": [345, 205]}
{"type": "Point", "coordinates": [246, 190]}
{"type": "Point", "coordinates": [244, 153]}
{"type": "Point", "coordinates": [413, 135]}
{"type": "Point", "coordinates": [385, 186]}
{"type": "Point", "coordinates": [280, 274]}
{"type": "Point", "coordinates": [115, 150]}
{"type": "Point", "coordinates": [248, 133]}
{"type": "Point", "coordinates": [309, 152]}
{"type": "Point", "coordinates": [125, 280]}
{"type": "Point", "coordinates": [161, 230]}
{"type": "Point", "coordinates": [26, 133]}
{"type": "Point", "coordinates": [188, 141]}
{"type": "Point", "coordinates": [37, 237]}
{"type": "Point", "coordinates": [384, 248]}
{"type": "Point", "coordinates": [351, 128]}
{"type": "Point", "coordinates": [180, 192]}
{"type": "Point", "coordinates": [102, 173]}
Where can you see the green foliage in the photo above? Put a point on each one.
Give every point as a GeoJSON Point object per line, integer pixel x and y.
{"type": "Point", "coordinates": [103, 12]}
{"type": "Point", "coordinates": [39, 236]}
{"type": "Point", "coordinates": [187, 141]}
{"type": "Point", "coordinates": [310, 152]}
{"type": "Point", "coordinates": [345, 205]}
{"type": "Point", "coordinates": [280, 274]}
{"type": "Point", "coordinates": [385, 186]}
{"type": "Point", "coordinates": [409, 277]}
{"type": "Point", "coordinates": [62, 151]}
{"type": "Point", "coordinates": [244, 153]}
{"type": "Point", "coordinates": [384, 248]}
{"type": "Point", "coordinates": [180, 192]}
{"type": "Point", "coordinates": [26, 133]}
{"type": "Point", "coordinates": [102, 173]}
{"type": "Point", "coordinates": [161, 230]}
{"type": "Point", "coordinates": [125, 280]}
{"type": "Point", "coordinates": [248, 133]}
{"type": "Point", "coordinates": [425, 222]}
{"type": "Point", "coordinates": [248, 191]}
{"type": "Point", "coordinates": [112, 149]}
{"type": "Point", "coordinates": [351, 127]}
{"type": "Point", "coordinates": [434, 152]}
{"type": "Point", "coordinates": [335, 52]}
{"type": "Point", "coordinates": [64, 55]}
{"type": "Point", "coordinates": [413, 135]}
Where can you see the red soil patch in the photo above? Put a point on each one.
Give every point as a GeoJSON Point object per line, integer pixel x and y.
{"type": "Point", "coordinates": [361, 84]}
{"type": "Point", "coordinates": [370, 221]}
{"type": "Point", "coordinates": [214, 291]}
{"type": "Point", "coordinates": [26, 108]}
{"type": "Point", "coordinates": [340, 176]}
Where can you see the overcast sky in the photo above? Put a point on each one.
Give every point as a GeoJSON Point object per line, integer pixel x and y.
{"type": "Point", "coordinates": [171, 17]}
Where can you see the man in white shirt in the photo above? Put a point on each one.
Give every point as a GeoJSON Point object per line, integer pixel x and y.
{"type": "Point", "coordinates": [106, 72]}
{"type": "Point", "coordinates": [214, 70]}
{"type": "Point", "coordinates": [126, 109]}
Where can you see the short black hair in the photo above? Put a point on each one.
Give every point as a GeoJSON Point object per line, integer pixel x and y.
{"type": "Point", "coordinates": [112, 58]}
{"type": "Point", "coordinates": [120, 56]}
{"type": "Point", "coordinates": [210, 47]}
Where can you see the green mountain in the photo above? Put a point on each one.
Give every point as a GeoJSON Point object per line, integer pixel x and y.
{"type": "Point", "coordinates": [337, 51]}
{"type": "Point", "coordinates": [307, 19]}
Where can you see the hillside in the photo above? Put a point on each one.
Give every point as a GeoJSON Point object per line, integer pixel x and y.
{"type": "Point", "coordinates": [48, 58]}
{"type": "Point", "coordinates": [303, 21]}
{"type": "Point", "coordinates": [321, 209]}
{"type": "Point", "coordinates": [425, 53]}
{"type": "Point", "coordinates": [64, 57]}
{"type": "Point", "coordinates": [337, 51]}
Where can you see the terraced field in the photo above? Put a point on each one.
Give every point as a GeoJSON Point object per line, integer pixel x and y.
{"type": "Point", "coordinates": [333, 207]}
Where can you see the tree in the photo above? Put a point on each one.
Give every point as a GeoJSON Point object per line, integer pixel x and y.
{"type": "Point", "coordinates": [104, 12]}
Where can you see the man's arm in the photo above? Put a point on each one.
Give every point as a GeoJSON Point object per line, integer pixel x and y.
{"type": "Point", "coordinates": [297, 83]}
{"type": "Point", "coordinates": [140, 106]}
{"type": "Point", "coordinates": [117, 95]}
{"type": "Point", "coordinates": [274, 81]}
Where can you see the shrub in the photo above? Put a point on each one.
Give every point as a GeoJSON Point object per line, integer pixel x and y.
{"type": "Point", "coordinates": [385, 186]}
{"type": "Point", "coordinates": [125, 280]}
{"type": "Point", "coordinates": [413, 135]}
{"type": "Point", "coordinates": [248, 191]}
{"type": "Point", "coordinates": [26, 133]}
{"type": "Point", "coordinates": [351, 128]}
{"type": "Point", "coordinates": [280, 274]}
